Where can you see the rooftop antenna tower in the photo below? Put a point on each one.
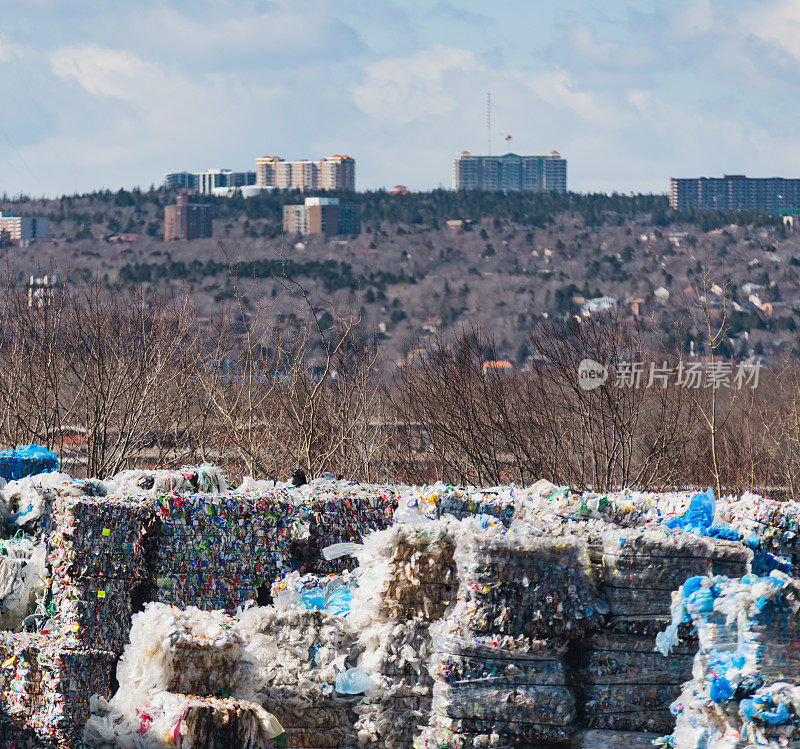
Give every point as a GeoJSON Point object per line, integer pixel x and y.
{"type": "Point", "coordinates": [489, 121]}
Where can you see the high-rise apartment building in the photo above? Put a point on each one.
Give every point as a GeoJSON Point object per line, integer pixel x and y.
{"type": "Point", "coordinates": [22, 229]}
{"type": "Point", "coordinates": [209, 182]}
{"type": "Point", "coordinates": [735, 192]}
{"type": "Point", "coordinates": [215, 181]}
{"type": "Point", "coordinates": [187, 219]}
{"type": "Point", "coordinates": [322, 216]}
{"type": "Point", "coordinates": [511, 172]}
{"type": "Point", "coordinates": [180, 181]}
{"type": "Point", "coordinates": [331, 173]}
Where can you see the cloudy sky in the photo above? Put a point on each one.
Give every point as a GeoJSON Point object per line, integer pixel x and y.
{"type": "Point", "coordinates": [100, 94]}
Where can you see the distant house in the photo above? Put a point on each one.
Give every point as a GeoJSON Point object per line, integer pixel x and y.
{"type": "Point", "coordinates": [661, 293]}
{"type": "Point", "coordinates": [501, 365]}
{"type": "Point", "coordinates": [636, 305]}
{"type": "Point", "coordinates": [432, 324]}
{"type": "Point", "coordinates": [599, 304]}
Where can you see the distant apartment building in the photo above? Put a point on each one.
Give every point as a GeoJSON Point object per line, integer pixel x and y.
{"type": "Point", "coordinates": [22, 229]}
{"type": "Point", "coordinates": [511, 172]}
{"type": "Point", "coordinates": [180, 181]}
{"type": "Point", "coordinates": [332, 173]}
{"type": "Point", "coordinates": [187, 219]}
{"type": "Point", "coordinates": [735, 192]}
{"type": "Point", "coordinates": [322, 216]}
{"type": "Point", "coordinates": [221, 181]}
{"type": "Point", "coordinates": [209, 182]}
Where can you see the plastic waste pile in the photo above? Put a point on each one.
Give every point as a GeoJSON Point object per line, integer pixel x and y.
{"type": "Point", "coordinates": [406, 582]}
{"type": "Point", "coordinates": [306, 668]}
{"type": "Point", "coordinates": [22, 579]}
{"type": "Point", "coordinates": [500, 670]}
{"type": "Point", "coordinates": [26, 460]}
{"type": "Point", "coordinates": [184, 680]}
{"type": "Point", "coordinates": [203, 479]}
{"type": "Point", "coordinates": [28, 502]}
{"type": "Point", "coordinates": [99, 564]}
{"type": "Point", "coordinates": [46, 685]}
{"type": "Point", "coordinates": [744, 689]}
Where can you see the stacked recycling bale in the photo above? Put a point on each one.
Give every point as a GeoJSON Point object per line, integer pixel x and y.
{"type": "Point", "coordinates": [339, 513]}
{"type": "Point", "coordinates": [98, 561]}
{"type": "Point", "coordinates": [407, 581]}
{"type": "Point", "coordinates": [746, 684]}
{"type": "Point", "coordinates": [500, 661]}
{"type": "Point", "coordinates": [45, 686]}
{"type": "Point", "coordinates": [625, 685]}
{"type": "Point", "coordinates": [216, 550]}
{"type": "Point", "coordinates": [184, 680]}
{"type": "Point", "coordinates": [299, 654]}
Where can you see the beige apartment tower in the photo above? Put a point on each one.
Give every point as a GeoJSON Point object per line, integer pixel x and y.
{"type": "Point", "coordinates": [331, 173]}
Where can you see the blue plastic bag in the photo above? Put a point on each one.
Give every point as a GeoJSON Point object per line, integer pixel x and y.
{"type": "Point", "coordinates": [27, 460]}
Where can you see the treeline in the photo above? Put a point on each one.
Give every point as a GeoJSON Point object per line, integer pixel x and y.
{"type": "Point", "coordinates": [424, 209]}
{"type": "Point", "coordinates": [332, 275]}
{"type": "Point", "coordinates": [114, 380]}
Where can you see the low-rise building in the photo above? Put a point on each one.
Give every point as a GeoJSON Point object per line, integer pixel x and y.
{"type": "Point", "coordinates": [599, 304]}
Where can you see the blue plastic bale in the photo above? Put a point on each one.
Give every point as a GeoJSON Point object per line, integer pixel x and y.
{"type": "Point", "coordinates": [27, 460]}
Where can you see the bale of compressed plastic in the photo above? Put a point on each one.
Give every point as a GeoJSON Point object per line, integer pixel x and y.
{"type": "Point", "coordinates": [626, 685]}
{"type": "Point", "coordinates": [641, 567]}
{"type": "Point", "coordinates": [46, 685]}
{"type": "Point", "coordinates": [520, 696]}
{"type": "Point", "coordinates": [298, 655]}
{"type": "Point", "coordinates": [395, 656]}
{"type": "Point", "coordinates": [26, 460]}
{"type": "Point", "coordinates": [177, 660]}
{"type": "Point", "coordinates": [746, 672]}
{"type": "Point", "coordinates": [406, 572]}
{"type": "Point", "coordinates": [523, 582]}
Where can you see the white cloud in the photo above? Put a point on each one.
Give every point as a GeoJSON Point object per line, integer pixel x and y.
{"type": "Point", "coordinates": [416, 87]}
{"type": "Point", "coordinates": [603, 54]}
{"type": "Point", "coordinates": [441, 81]}
{"type": "Point", "coordinates": [108, 72]}
{"type": "Point", "coordinates": [776, 22]}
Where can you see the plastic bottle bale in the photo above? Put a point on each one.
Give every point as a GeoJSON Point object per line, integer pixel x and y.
{"type": "Point", "coordinates": [597, 739]}
{"type": "Point", "coordinates": [746, 670]}
{"type": "Point", "coordinates": [520, 696]}
{"type": "Point", "coordinates": [298, 654]}
{"type": "Point", "coordinates": [46, 685]}
{"type": "Point", "coordinates": [522, 582]}
{"type": "Point", "coordinates": [641, 568]}
{"type": "Point", "coordinates": [395, 656]}
{"type": "Point", "coordinates": [406, 572]}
